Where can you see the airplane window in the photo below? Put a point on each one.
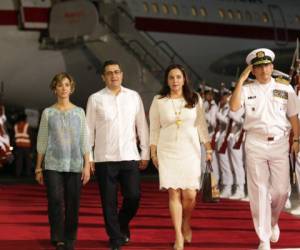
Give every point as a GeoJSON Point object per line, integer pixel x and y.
{"type": "Point", "coordinates": [222, 13]}
{"type": "Point", "coordinates": [265, 17]}
{"type": "Point", "coordinates": [230, 14]}
{"type": "Point", "coordinates": [238, 15]}
{"type": "Point", "coordinates": [155, 8]}
{"type": "Point", "coordinates": [248, 16]}
{"type": "Point", "coordinates": [175, 10]}
{"type": "Point", "coordinates": [202, 11]}
{"type": "Point", "coordinates": [146, 7]}
{"type": "Point", "coordinates": [194, 11]}
{"type": "Point", "coordinates": [165, 9]}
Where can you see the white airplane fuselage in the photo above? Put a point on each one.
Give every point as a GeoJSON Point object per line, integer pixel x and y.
{"type": "Point", "coordinates": [214, 46]}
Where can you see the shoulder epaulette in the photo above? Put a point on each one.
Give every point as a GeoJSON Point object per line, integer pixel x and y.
{"type": "Point", "coordinates": [282, 80]}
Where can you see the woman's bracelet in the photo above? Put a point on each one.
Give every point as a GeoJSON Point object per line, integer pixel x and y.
{"type": "Point", "coordinates": [38, 170]}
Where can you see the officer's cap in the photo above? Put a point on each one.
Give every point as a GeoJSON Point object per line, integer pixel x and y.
{"type": "Point", "coordinates": [260, 56]}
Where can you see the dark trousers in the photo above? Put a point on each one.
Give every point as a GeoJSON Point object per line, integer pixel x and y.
{"type": "Point", "coordinates": [63, 193]}
{"type": "Point", "coordinates": [23, 158]}
{"type": "Point", "coordinates": [110, 175]}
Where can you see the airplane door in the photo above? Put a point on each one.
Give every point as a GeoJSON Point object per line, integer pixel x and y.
{"type": "Point", "coordinates": [279, 25]}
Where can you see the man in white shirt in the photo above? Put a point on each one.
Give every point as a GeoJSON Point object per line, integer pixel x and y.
{"type": "Point", "coordinates": [271, 108]}
{"type": "Point", "coordinates": [116, 121]}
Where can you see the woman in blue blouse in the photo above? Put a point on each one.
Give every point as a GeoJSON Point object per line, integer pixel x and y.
{"type": "Point", "coordinates": [62, 144]}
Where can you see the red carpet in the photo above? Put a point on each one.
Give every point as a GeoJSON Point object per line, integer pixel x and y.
{"type": "Point", "coordinates": [225, 225]}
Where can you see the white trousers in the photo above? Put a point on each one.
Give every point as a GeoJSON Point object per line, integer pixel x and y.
{"type": "Point", "coordinates": [225, 165]}
{"type": "Point", "coordinates": [236, 157]}
{"type": "Point", "coordinates": [268, 181]}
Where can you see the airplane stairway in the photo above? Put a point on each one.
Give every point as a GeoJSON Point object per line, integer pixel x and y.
{"type": "Point", "coordinates": [114, 37]}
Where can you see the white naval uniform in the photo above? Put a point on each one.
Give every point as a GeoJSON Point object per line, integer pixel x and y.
{"type": "Point", "coordinates": [225, 166]}
{"type": "Point", "coordinates": [237, 155]}
{"type": "Point", "coordinates": [211, 110]}
{"type": "Point", "coordinates": [267, 107]}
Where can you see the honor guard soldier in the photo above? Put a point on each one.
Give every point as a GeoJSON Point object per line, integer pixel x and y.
{"type": "Point", "coordinates": [211, 110]}
{"type": "Point", "coordinates": [236, 153]}
{"type": "Point", "coordinates": [271, 109]}
{"type": "Point", "coordinates": [225, 125]}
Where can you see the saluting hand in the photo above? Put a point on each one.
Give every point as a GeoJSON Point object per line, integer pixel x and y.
{"type": "Point", "coordinates": [245, 74]}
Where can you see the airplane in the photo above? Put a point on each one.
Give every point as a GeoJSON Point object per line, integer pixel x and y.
{"type": "Point", "coordinates": [210, 37]}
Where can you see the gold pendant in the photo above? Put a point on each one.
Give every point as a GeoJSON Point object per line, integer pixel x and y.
{"type": "Point", "coordinates": [178, 122]}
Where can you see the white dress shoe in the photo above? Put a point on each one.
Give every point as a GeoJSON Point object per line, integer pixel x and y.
{"type": "Point", "coordinates": [245, 199]}
{"type": "Point", "coordinates": [238, 195]}
{"type": "Point", "coordinates": [275, 233]}
{"type": "Point", "coordinates": [264, 245]}
{"type": "Point", "coordinates": [296, 211]}
{"type": "Point", "coordinates": [226, 192]}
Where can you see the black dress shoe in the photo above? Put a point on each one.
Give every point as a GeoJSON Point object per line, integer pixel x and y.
{"type": "Point", "coordinates": [126, 233]}
{"type": "Point", "coordinates": [69, 245]}
{"type": "Point", "coordinates": [126, 240]}
{"type": "Point", "coordinates": [60, 247]}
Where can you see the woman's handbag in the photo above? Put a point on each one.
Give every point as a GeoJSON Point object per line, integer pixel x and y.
{"type": "Point", "coordinates": [210, 189]}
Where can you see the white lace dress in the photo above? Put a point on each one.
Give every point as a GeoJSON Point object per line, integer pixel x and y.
{"type": "Point", "coordinates": [178, 147]}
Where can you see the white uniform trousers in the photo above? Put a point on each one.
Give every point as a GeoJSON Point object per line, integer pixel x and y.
{"type": "Point", "coordinates": [225, 165]}
{"type": "Point", "coordinates": [236, 156]}
{"type": "Point", "coordinates": [268, 181]}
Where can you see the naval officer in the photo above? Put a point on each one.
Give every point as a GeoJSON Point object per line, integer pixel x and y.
{"type": "Point", "coordinates": [271, 109]}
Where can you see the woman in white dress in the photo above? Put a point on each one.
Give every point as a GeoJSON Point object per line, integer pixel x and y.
{"type": "Point", "coordinates": [177, 123]}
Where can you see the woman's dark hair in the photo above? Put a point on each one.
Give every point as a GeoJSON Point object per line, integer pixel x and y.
{"type": "Point", "coordinates": [189, 95]}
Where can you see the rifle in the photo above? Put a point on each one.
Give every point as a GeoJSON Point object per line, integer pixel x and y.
{"type": "Point", "coordinates": [292, 67]}
{"type": "Point", "coordinates": [223, 147]}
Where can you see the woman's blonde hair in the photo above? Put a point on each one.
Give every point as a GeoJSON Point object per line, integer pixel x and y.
{"type": "Point", "coordinates": [59, 77]}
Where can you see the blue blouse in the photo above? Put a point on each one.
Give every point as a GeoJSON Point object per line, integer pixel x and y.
{"type": "Point", "coordinates": [63, 139]}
